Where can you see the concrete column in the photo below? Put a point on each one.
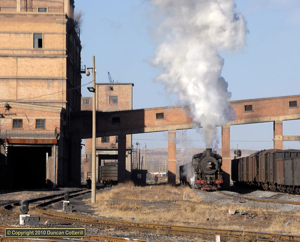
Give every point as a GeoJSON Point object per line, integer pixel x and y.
{"type": "Point", "coordinates": [226, 165]}
{"type": "Point", "coordinates": [172, 157]}
{"type": "Point", "coordinates": [277, 134]}
{"type": "Point", "coordinates": [97, 168]}
{"type": "Point", "coordinates": [122, 158]}
{"type": "Point", "coordinates": [129, 157]}
{"type": "Point", "coordinates": [18, 5]}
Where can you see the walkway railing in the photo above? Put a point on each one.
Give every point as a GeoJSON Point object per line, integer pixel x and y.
{"type": "Point", "coordinates": [28, 134]}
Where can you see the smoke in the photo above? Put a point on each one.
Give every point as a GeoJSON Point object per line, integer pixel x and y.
{"type": "Point", "coordinates": [191, 34]}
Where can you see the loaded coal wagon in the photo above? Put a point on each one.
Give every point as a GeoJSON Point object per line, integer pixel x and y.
{"type": "Point", "coordinates": [275, 170]}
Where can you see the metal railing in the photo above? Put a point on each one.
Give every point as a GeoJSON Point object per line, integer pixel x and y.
{"type": "Point", "coordinates": [28, 134]}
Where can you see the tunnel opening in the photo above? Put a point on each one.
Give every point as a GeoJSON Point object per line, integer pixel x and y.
{"type": "Point", "coordinates": [27, 167]}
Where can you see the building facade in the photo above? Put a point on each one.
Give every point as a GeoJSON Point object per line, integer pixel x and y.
{"type": "Point", "coordinates": [40, 79]}
{"type": "Point", "coordinates": [110, 97]}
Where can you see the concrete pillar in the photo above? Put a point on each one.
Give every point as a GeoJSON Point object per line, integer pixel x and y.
{"type": "Point", "coordinates": [277, 134]}
{"type": "Point", "coordinates": [18, 5]}
{"type": "Point", "coordinates": [122, 158]}
{"type": "Point", "coordinates": [226, 165]}
{"type": "Point", "coordinates": [97, 168]}
{"type": "Point", "coordinates": [172, 157]}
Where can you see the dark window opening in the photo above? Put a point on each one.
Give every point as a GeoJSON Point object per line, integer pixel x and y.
{"type": "Point", "coordinates": [88, 157]}
{"type": "Point", "coordinates": [113, 99]}
{"type": "Point", "coordinates": [40, 123]}
{"type": "Point", "coordinates": [115, 120]}
{"type": "Point", "coordinates": [42, 9]}
{"type": "Point", "coordinates": [110, 88]}
{"type": "Point", "coordinates": [160, 116]}
{"type": "Point", "coordinates": [117, 139]}
{"type": "Point", "coordinates": [248, 108]}
{"type": "Point", "coordinates": [37, 41]}
{"type": "Point", "coordinates": [17, 123]}
{"type": "Point", "coordinates": [293, 104]}
{"type": "Point", "coordinates": [105, 139]}
{"type": "Point", "coordinates": [86, 101]}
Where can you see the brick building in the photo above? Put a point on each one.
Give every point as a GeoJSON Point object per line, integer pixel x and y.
{"type": "Point", "coordinates": [110, 97]}
{"type": "Point", "coordinates": [40, 79]}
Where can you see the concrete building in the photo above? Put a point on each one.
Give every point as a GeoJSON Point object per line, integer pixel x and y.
{"type": "Point", "coordinates": [110, 97]}
{"type": "Point", "coordinates": [40, 79]}
{"type": "Point", "coordinates": [275, 110]}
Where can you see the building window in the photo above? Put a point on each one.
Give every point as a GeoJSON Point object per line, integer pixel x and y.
{"type": "Point", "coordinates": [40, 124]}
{"type": "Point", "coordinates": [110, 88]}
{"type": "Point", "coordinates": [86, 101]}
{"type": "Point", "coordinates": [293, 104]}
{"type": "Point", "coordinates": [17, 123]}
{"type": "Point", "coordinates": [117, 139]}
{"type": "Point", "coordinates": [248, 108]}
{"type": "Point", "coordinates": [42, 9]}
{"type": "Point", "coordinates": [37, 40]}
{"type": "Point", "coordinates": [160, 116]}
{"type": "Point", "coordinates": [105, 139]}
{"type": "Point", "coordinates": [113, 99]}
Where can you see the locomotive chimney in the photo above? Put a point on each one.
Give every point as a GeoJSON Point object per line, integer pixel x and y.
{"type": "Point", "coordinates": [208, 152]}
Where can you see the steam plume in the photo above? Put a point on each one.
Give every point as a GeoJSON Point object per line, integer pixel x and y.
{"type": "Point", "coordinates": [191, 34]}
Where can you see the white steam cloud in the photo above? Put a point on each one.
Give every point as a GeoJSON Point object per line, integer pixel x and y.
{"type": "Point", "coordinates": [192, 33]}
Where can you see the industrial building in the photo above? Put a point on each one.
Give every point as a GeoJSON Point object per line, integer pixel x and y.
{"type": "Point", "coordinates": [110, 97]}
{"type": "Point", "coordinates": [43, 117]}
{"type": "Point", "coordinates": [40, 85]}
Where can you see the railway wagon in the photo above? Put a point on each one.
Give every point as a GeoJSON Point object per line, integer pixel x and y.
{"type": "Point", "coordinates": [275, 170]}
{"type": "Point", "coordinates": [108, 174]}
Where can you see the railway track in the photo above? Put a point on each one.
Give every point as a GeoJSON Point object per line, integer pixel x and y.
{"type": "Point", "coordinates": [177, 230]}
{"type": "Point", "coordinates": [47, 199]}
{"type": "Point", "coordinates": [87, 238]}
{"type": "Point", "coordinates": [260, 200]}
{"type": "Point", "coordinates": [152, 228]}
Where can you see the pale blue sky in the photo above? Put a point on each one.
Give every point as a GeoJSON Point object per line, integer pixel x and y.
{"type": "Point", "coordinates": [119, 34]}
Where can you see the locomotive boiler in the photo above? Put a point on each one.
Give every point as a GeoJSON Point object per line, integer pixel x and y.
{"type": "Point", "coordinates": [204, 172]}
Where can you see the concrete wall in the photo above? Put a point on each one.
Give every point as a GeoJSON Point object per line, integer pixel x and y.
{"type": "Point", "coordinates": [123, 92]}
{"type": "Point", "coordinates": [41, 83]}
{"type": "Point", "coordinates": [274, 110]}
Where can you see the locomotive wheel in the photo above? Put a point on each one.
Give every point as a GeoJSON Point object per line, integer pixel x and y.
{"type": "Point", "coordinates": [297, 190]}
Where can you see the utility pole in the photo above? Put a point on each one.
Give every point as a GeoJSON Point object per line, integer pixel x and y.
{"type": "Point", "coordinates": [94, 137]}
{"type": "Point", "coordinates": [145, 157]}
{"type": "Point", "coordinates": [139, 159]}
{"type": "Point", "coordinates": [93, 90]}
{"type": "Point", "coordinates": [137, 154]}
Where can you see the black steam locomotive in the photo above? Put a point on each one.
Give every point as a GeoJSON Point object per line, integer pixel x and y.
{"type": "Point", "coordinates": [204, 172]}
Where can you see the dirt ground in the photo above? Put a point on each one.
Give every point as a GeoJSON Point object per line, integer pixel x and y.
{"type": "Point", "coordinates": [167, 204]}
{"type": "Point", "coordinates": [181, 205]}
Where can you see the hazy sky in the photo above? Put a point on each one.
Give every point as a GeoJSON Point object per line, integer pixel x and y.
{"type": "Point", "coordinates": [120, 34]}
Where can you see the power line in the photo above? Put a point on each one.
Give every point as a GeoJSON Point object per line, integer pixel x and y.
{"type": "Point", "coordinates": [241, 141]}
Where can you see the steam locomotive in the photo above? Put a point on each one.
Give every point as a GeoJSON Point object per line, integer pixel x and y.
{"type": "Point", "coordinates": [204, 172]}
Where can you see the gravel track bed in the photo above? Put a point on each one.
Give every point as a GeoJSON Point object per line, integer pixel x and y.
{"type": "Point", "coordinates": [243, 216]}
